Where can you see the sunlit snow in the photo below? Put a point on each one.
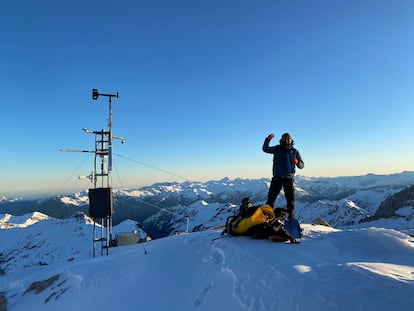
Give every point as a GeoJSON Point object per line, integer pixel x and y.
{"type": "Point", "coordinates": [48, 265]}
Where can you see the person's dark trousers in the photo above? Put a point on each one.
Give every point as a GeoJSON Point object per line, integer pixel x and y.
{"type": "Point", "coordinates": [288, 187]}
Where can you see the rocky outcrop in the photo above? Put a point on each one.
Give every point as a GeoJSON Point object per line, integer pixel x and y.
{"type": "Point", "coordinates": [394, 202]}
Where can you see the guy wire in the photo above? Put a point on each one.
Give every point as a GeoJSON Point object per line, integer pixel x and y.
{"type": "Point", "coordinates": [153, 167]}
{"type": "Point", "coordinates": [73, 173]}
{"type": "Point", "coordinates": [139, 200]}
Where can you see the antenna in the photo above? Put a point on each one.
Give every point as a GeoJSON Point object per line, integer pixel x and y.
{"type": "Point", "coordinates": [101, 195]}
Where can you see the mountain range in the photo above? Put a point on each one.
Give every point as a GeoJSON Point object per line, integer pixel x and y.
{"type": "Point", "coordinates": [165, 208]}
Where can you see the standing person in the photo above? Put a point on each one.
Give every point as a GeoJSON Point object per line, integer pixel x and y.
{"type": "Point", "coordinates": [285, 158]}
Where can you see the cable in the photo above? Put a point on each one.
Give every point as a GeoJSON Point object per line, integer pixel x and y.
{"type": "Point", "coordinates": [157, 207]}
{"type": "Point", "coordinates": [117, 175]}
{"type": "Point", "coordinates": [73, 173]}
{"type": "Point", "coordinates": [153, 167]}
{"type": "Point", "coordinates": [139, 200]}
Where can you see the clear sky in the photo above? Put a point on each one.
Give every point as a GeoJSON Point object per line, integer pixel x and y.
{"type": "Point", "coordinates": [201, 84]}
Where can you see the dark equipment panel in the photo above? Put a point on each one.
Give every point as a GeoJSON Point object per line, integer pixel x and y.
{"type": "Point", "coordinates": [100, 202]}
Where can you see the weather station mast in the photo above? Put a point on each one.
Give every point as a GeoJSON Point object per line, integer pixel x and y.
{"type": "Point", "coordinates": [101, 195]}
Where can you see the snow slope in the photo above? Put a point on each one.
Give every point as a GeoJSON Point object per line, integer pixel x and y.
{"type": "Point", "coordinates": [331, 269]}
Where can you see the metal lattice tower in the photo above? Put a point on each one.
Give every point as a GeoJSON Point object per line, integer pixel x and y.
{"type": "Point", "coordinates": [101, 195]}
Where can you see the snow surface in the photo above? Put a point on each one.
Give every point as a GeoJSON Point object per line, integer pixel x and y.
{"type": "Point", "coordinates": [331, 269]}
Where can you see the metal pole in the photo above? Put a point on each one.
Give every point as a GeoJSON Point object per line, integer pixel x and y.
{"type": "Point", "coordinates": [110, 136]}
{"type": "Point", "coordinates": [94, 235]}
{"type": "Point", "coordinates": [95, 178]}
{"type": "Point", "coordinates": [102, 234]}
{"type": "Point", "coordinates": [107, 235]}
{"type": "Point", "coordinates": [110, 228]}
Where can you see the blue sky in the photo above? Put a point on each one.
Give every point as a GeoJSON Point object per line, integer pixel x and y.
{"type": "Point", "coordinates": [201, 84]}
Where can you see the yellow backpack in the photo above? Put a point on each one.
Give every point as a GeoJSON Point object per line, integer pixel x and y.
{"type": "Point", "coordinates": [252, 216]}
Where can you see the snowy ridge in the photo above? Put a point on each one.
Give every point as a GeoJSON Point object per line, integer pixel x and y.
{"type": "Point", "coordinates": [8, 221]}
{"type": "Point", "coordinates": [77, 199]}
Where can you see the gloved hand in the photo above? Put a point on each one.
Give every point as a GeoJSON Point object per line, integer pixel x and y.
{"type": "Point", "coordinates": [295, 161]}
{"type": "Point", "coordinates": [270, 136]}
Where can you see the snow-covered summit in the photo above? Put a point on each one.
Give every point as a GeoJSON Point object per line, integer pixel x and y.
{"type": "Point", "coordinates": [51, 268]}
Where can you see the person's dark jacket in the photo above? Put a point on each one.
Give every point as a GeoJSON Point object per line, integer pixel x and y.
{"type": "Point", "coordinates": [283, 165]}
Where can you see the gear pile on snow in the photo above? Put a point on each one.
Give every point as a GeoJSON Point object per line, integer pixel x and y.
{"type": "Point", "coordinates": [259, 222]}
